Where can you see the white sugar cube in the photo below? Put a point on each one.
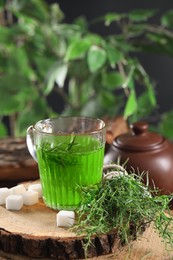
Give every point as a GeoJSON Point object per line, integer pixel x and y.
{"type": "Point", "coordinates": [65, 218]}
{"type": "Point", "coordinates": [36, 187]}
{"type": "Point", "coordinates": [18, 190]}
{"type": "Point", "coordinates": [14, 202]}
{"type": "Point", "coordinates": [30, 197]}
{"type": "Point", "coordinates": [4, 192]}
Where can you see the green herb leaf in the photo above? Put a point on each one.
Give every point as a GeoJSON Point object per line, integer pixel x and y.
{"type": "Point", "coordinates": [144, 104]}
{"type": "Point", "coordinates": [96, 58]}
{"type": "Point", "coordinates": [77, 48]}
{"type": "Point", "coordinates": [112, 80]}
{"type": "Point", "coordinates": [114, 55]}
{"type": "Point", "coordinates": [112, 17]}
{"type": "Point", "coordinates": [57, 74]}
{"type": "Point", "coordinates": [3, 130]}
{"type": "Point", "coordinates": [141, 15]}
{"type": "Point", "coordinates": [148, 85]}
{"type": "Point", "coordinates": [167, 19]}
{"type": "Point", "coordinates": [166, 124]}
{"type": "Point", "coordinates": [122, 204]}
{"type": "Point", "coordinates": [71, 143]}
{"type": "Point", "coordinates": [131, 105]}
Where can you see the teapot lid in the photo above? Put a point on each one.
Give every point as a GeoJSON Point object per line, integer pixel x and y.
{"type": "Point", "coordinates": [139, 139]}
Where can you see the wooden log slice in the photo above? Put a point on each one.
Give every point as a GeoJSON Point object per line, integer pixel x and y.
{"type": "Point", "coordinates": [33, 232]}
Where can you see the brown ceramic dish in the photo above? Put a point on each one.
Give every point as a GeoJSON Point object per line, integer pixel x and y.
{"type": "Point", "coordinates": [145, 151]}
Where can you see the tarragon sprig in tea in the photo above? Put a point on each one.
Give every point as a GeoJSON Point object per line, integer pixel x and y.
{"type": "Point", "coordinates": [72, 142]}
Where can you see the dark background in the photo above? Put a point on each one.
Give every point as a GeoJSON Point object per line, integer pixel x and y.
{"type": "Point", "coordinates": [160, 68]}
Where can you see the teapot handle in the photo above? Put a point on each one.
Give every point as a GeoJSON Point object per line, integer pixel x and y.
{"type": "Point", "coordinates": [30, 142]}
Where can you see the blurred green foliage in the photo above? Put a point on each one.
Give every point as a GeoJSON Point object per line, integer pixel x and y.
{"type": "Point", "coordinates": [95, 75]}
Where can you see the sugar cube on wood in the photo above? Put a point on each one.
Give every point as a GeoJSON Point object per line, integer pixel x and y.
{"type": "Point", "coordinates": [4, 192]}
{"type": "Point", "coordinates": [65, 218]}
{"type": "Point", "coordinates": [18, 190]}
{"type": "Point", "coordinates": [30, 197]}
{"type": "Point", "coordinates": [36, 187]}
{"type": "Point", "coordinates": [14, 202]}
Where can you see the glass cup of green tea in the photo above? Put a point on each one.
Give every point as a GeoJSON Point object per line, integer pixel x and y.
{"type": "Point", "coordinates": [69, 152]}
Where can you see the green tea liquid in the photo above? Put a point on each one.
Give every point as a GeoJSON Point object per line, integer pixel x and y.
{"type": "Point", "coordinates": [65, 164]}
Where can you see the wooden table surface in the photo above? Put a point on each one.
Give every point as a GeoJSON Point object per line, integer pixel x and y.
{"type": "Point", "coordinates": [148, 247]}
{"type": "Point", "coordinates": [40, 221]}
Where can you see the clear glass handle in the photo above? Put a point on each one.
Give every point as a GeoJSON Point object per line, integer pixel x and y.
{"type": "Point", "coordinates": [30, 142]}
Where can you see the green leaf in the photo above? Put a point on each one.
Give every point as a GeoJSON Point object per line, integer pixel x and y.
{"type": "Point", "coordinates": [94, 39]}
{"type": "Point", "coordinates": [152, 95]}
{"type": "Point", "coordinates": [107, 99]}
{"type": "Point", "coordinates": [124, 46]}
{"type": "Point", "coordinates": [129, 80]}
{"type": "Point", "coordinates": [36, 9]}
{"type": "Point", "coordinates": [76, 49]}
{"type": "Point", "coordinates": [9, 104]}
{"type": "Point", "coordinates": [167, 19]}
{"type": "Point", "coordinates": [141, 15]}
{"type": "Point", "coordinates": [25, 28]}
{"type": "Point", "coordinates": [157, 38]}
{"type": "Point", "coordinates": [42, 64]}
{"type": "Point", "coordinates": [4, 35]}
{"type": "Point", "coordinates": [73, 91]}
{"type": "Point", "coordinates": [112, 80]}
{"type": "Point", "coordinates": [112, 17]}
{"type": "Point", "coordinates": [148, 85]}
{"type": "Point", "coordinates": [76, 89]}
{"type": "Point", "coordinates": [56, 14]}
{"type": "Point", "coordinates": [31, 114]}
{"type": "Point", "coordinates": [19, 62]}
{"type": "Point", "coordinates": [1, 4]}
{"type": "Point", "coordinates": [131, 105]}
{"type": "Point", "coordinates": [96, 58]}
{"type": "Point", "coordinates": [14, 92]}
{"type": "Point", "coordinates": [91, 108]}
{"type": "Point", "coordinates": [57, 74]}
{"type": "Point", "coordinates": [61, 74]}
{"type": "Point", "coordinates": [114, 55]}
{"type": "Point", "coordinates": [166, 125]}
{"type": "Point", "coordinates": [144, 105]}
{"type": "Point", "coordinates": [159, 44]}
{"type": "Point", "coordinates": [80, 74]}
{"type": "Point", "coordinates": [16, 5]}
{"type": "Point", "coordinates": [3, 130]}
{"type": "Point", "coordinates": [136, 29]}
{"type": "Point", "coordinates": [82, 22]}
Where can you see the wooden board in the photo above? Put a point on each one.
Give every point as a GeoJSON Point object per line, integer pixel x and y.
{"type": "Point", "coordinates": [148, 247]}
{"type": "Point", "coordinates": [33, 232]}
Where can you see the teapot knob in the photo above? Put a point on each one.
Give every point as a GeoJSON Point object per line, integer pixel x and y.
{"type": "Point", "coordinates": [139, 128]}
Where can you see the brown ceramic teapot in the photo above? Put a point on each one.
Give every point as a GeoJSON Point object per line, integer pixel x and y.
{"type": "Point", "coordinates": [145, 151]}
